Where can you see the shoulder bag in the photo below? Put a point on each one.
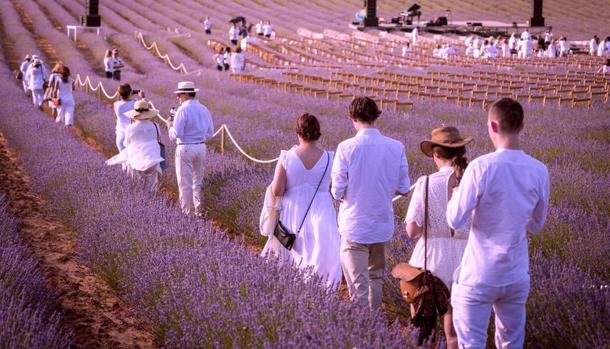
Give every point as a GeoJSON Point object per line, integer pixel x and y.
{"type": "Point", "coordinates": [283, 234]}
{"type": "Point", "coordinates": [163, 163]}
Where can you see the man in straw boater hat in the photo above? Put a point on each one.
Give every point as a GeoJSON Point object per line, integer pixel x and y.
{"type": "Point", "coordinates": [191, 128]}
{"type": "Point", "coordinates": [23, 68]}
{"type": "Point", "coordinates": [506, 194]}
{"type": "Point", "coordinates": [142, 153]}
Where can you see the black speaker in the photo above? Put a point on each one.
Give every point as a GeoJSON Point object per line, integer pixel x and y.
{"type": "Point", "coordinates": [441, 21]}
{"type": "Point", "coordinates": [537, 20]}
{"type": "Point", "coordinates": [371, 19]}
{"type": "Point", "coordinates": [91, 21]}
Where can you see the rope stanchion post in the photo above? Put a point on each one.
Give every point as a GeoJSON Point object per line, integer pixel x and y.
{"type": "Point", "coordinates": [222, 140]}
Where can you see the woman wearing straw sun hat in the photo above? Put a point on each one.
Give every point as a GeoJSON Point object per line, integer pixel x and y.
{"type": "Point", "coordinates": [142, 153]}
{"type": "Point", "coordinates": [445, 247]}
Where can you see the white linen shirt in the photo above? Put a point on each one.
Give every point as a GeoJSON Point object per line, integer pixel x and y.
{"type": "Point", "coordinates": [367, 171]}
{"type": "Point", "coordinates": [506, 193]}
{"type": "Point", "coordinates": [267, 29]}
{"type": "Point", "coordinates": [193, 123]}
{"type": "Point", "coordinates": [120, 108]}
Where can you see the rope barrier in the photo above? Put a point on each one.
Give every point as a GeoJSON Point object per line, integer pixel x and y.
{"type": "Point", "coordinates": [165, 57]}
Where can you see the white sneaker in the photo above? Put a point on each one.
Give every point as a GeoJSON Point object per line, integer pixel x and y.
{"type": "Point", "coordinates": [58, 119]}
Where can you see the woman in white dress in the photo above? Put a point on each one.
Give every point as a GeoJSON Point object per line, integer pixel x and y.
{"type": "Point", "coordinates": [298, 173]}
{"type": "Point", "coordinates": [445, 246]}
{"type": "Point", "coordinates": [142, 153]}
{"type": "Point", "coordinates": [36, 77]}
{"type": "Point", "coordinates": [238, 61]}
{"type": "Point", "coordinates": [65, 86]}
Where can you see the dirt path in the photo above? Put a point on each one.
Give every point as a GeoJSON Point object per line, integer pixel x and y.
{"type": "Point", "coordinates": [91, 308]}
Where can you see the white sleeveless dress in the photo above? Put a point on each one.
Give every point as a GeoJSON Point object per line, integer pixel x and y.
{"type": "Point", "coordinates": [317, 243]}
{"type": "Point", "coordinates": [444, 251]}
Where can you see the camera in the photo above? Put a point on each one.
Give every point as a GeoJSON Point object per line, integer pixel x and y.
{"type": "Point", "coordinates": [172, 113]}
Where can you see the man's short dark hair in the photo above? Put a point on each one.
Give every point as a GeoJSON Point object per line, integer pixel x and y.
{"type": "Point", "coordinates": [364, 110]}
{"type": "Point", "coordinates": [509, 115]}
{"type": "Point", "coordinates": [124, 91]}
{"type": "Point", "coordinates": [192, 94]}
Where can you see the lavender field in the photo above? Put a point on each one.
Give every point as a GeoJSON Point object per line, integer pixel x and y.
{"type": "Point", "coordinates": [200, 282]}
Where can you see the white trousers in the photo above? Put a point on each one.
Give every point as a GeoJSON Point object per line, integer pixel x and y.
{"type": "Point", "coordinates": [65, 111]}
{"type": "Point", "coordinates": [471, 309]}
{"type": "Point", "coordinates": [150, 177]}
{"type": "Point", "coordinates": [26, 89]}
{"type": "Point", "coordinates": [37, 96]}
{"type": "Point", "coordinates": [120, 139]}
{"type": "Point", "coordinates": [190, 164]}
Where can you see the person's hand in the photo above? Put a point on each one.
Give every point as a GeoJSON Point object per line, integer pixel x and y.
{"type": "Point", "coordinates": [141, 94]}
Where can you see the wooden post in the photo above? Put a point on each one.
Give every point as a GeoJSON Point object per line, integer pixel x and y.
{"type": "Point", "coordinates": [222, 140]}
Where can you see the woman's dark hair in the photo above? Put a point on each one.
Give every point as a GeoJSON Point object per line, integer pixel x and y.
{"type": "Point", "coordinates": [456, 155]}
{"type": "Point", "coordinates": [364, 110]}
{"type": "Point", "coordinates": [238, 50]}
{"type": "Point", "coordinates": [308, 127]}
{"type": "Point", "coordinates": [65, 74]}
{"type": "Point", "coordinates": [124, 91]}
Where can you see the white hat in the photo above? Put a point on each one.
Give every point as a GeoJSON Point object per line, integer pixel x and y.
{"type": "Point", "coordinates": [142, 110]}
{"type": "Point", "coordinates": [186, 87]}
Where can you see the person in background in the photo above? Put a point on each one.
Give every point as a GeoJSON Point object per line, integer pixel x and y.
{"type": "Point", "coordinates": [268, 29]}
{"type": "Point", "coordinates": [191, 128]}
{"type": "Point", "coordinates": [53, 88]}
{"type": "Point", "coordinates": [108, 64]}
{"type": "Point", "coordinates": [238, 61]}
{"type": "Point", "coordinates": [234, 34]}
{"type": "Point", "coordinates": [526, 35]}
{"type": "Point", "coordinates": [207, 25]}
{"type": "Point", "coordinates": [513, 44]}
{"type": "Point", "coordinates": [36, 77]}
{"type": "Point", "coordinates": [226, 59]}
{"type": "Point", "coordinates": [302, 176]}
{"type": "Point", "coordinates": [548, 37]}
{"type": "Point", "coordinates": [593, 44]}
{"type": "Point", "coordinates": [219, 59]}
{"type": "Point", "coordinates": [125, 103]}
{"type": "Point", "coordinates": [406, 49]}
{"type": "Point", "coordinates": [23, 68]}
{"type": "Point", "coordinates": [142, 154]}
{"type": "Point", "coordinates": [601, 48]}
{"type": "Point", "coordinates": [259, 28]}
{"type": "Point", "coordinates": [506, 195]}
{"type": "Point", "coordinates": [564, 47]}
{"type": "Point", "coordinates": [505, 48]}
{"type": "Point", "coordinates": [445, 246]}
{"type": "Point", "coordinates": [368, 170]}
{"type": "Point", "coordinates": [605, 69]}
{"type": "Point", "coordinates": [65, 86]}
{"type": "Point", "coordinates": [414, 36]}
{"type": "Point", "coordinates": [117, 65]}
{"type": "Point", "coordinates": [551, 50]}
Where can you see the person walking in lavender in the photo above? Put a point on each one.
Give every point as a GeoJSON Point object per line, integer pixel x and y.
{"type": "Point", "coordinates": [368, 169]}
{"type": "Point", "coordinates": [506, 194]}
{"type": "Point", "coordinates": [191, 128]}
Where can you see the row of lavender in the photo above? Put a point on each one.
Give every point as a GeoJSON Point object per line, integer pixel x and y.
{"type": "Point", "coordinates": [28, 314]}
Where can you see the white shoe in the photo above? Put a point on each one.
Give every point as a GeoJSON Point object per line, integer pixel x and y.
{"type": "Point", "coordinates": [58, 119]}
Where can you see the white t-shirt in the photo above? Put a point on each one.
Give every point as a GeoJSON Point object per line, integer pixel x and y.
{"type": "Point", "coordinates": [207, 24]}
{"type": "Point", "coordinates": [120, 108]}
{"type": "Point", "coordinates": [267, 29]}
{"type": "Point", "coordinates": [109, 64]}
{"type": "Point", "coordinates": [65, 89]}
{"type": "Point", "coordinates": [233, 33]}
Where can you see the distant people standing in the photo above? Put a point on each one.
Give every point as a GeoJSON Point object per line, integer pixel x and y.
{"type": "Point", "coordinates": [121, 107]}
{"type": "Point", "coordinates": [601, 48]}
{"type": "Point", "coordinates": [219, 59]}
{"type": "Point", "coordinates": [259, 28]}
{"type": "Point", "coordinates": [368, 170]}
{"type": "Point", "coordinates": [142, 154]}
{"type": "Point", "coordinates": [513, 44]}
{"type": "Point", "coordinates": [191, 128]}
{"type": "Point", "coordinates": [23, 68]}
{"type": "Point", "coordinates": [108, 64]}
{"type": "Point", "coordinates": [65, 86]}
{"type": "Point", "coordinates": [117, 65]}
{"type": "Point", "coordinates": [505, 48]}
{"type": "Point", "coordinates": [551, 50]}
{"type": "Point", "coordinates": [207, 25]}
{"type": "Point", "coordinates": [593, 44]}
{"type": "Point", "coordinates": [226, 59]}
{"type": "Point", "coordinates": [506, 195]}
{"type": "Point", "coordinates": [605, 69]}
{"type": "Point", "coordinates": [36, 78]}
{"type": "Point", "coordinates": [238, 61]}
{"type": "Point", "coordinates": [564, 47]}
{"type": "Point", "coordinates": [406, 49]}
{"type": "Point", "coordinates": [548, 37]}
{"type": "Point", "coordinates": [414, 36]}
{"type": "Point", "coordinates": [234, 34]}
{"type": "Point", "coordinates": [268, 29]}
{"type": "Point", "coordinates": [526, 35]}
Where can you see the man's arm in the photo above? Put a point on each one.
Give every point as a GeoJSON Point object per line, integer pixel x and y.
{"type": "Point", "coordinates": [339, 174]}
{"type": "Point", "coordinates": [464, 199]}
{"type": "Point", "coordinates": [538, 219]}
{"type": "Point", "coordinates": [403, 178]}
{"type": "Point", "coordinates": [176, 128]}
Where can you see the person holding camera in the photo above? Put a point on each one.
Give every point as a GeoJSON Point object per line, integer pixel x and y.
{"type": "Point", "coordinates": [191, 128]}
{"type": "Point", "coordinates": [445, 246]}
{"type": "Point", "coordinates": [121, 108]}
{"type": "Point", "coordinates": [506, 195]}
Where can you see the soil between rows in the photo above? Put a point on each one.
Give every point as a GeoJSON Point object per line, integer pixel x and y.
{"type": "Point", "coordinates": [96, 314]}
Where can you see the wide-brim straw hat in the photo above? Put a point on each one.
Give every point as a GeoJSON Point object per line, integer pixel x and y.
{"type": "Point", "coordinates": [142, 110]}
{"type": "Point", "coordinates": [186, 87]}
{"type": "Point", "coordinates": [448, 137]}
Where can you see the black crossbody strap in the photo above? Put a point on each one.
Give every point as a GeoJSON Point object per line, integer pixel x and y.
{"type": "Point", "coordinates": [426, 227]}
{"type": "Point", "coordinates": [158, 136]}
{"type": "Point", "coordinates": [316, 192]}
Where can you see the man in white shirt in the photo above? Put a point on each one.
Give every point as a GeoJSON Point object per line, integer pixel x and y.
{"type": "Point", "coordinates": [593, 45]}
{"type": "Point", "coordinates": [259, 28]}
{"type": "Point", "coordinates": [367, 171]}
{"type": "Point", "coordinates": [414, 36]}
{"type": "Point", "coordinates": [506, 194]}
{"type": "Point", "coordinates": [234, 34]}
{"type": "Point", "coordinates": [548, 37]}
{"type": "Point", "coordinates": [23, 69]}
{"type": "Point", "coordinates": [192, 127]}
{"type": "Point", "coordinates": [525, 35]}
{"type": "Point", "coordinates": [268, 29]}
{"type": "Point", "coordinates": [207, 25]}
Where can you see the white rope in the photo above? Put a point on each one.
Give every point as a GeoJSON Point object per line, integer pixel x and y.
{"type": "Point", "coordinates": [87, 82]}
{"type": "Point", "coordinates": [164, 57]}
{"type": "Point", "coordinates": [244, 153]}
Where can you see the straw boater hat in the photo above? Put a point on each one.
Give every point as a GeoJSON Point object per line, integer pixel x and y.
{"type": "Point", "coordinates": [142, 110]}
{"type": "Point", "coordinates": [448, 137]}
{"type": "Point", "coordinates": [186, 87]}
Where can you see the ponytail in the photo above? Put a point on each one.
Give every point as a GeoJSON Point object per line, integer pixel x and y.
{"type": "Point", "coordinates": [459, 163]}
{"type": "Point", "coordinates": [456, 155]}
